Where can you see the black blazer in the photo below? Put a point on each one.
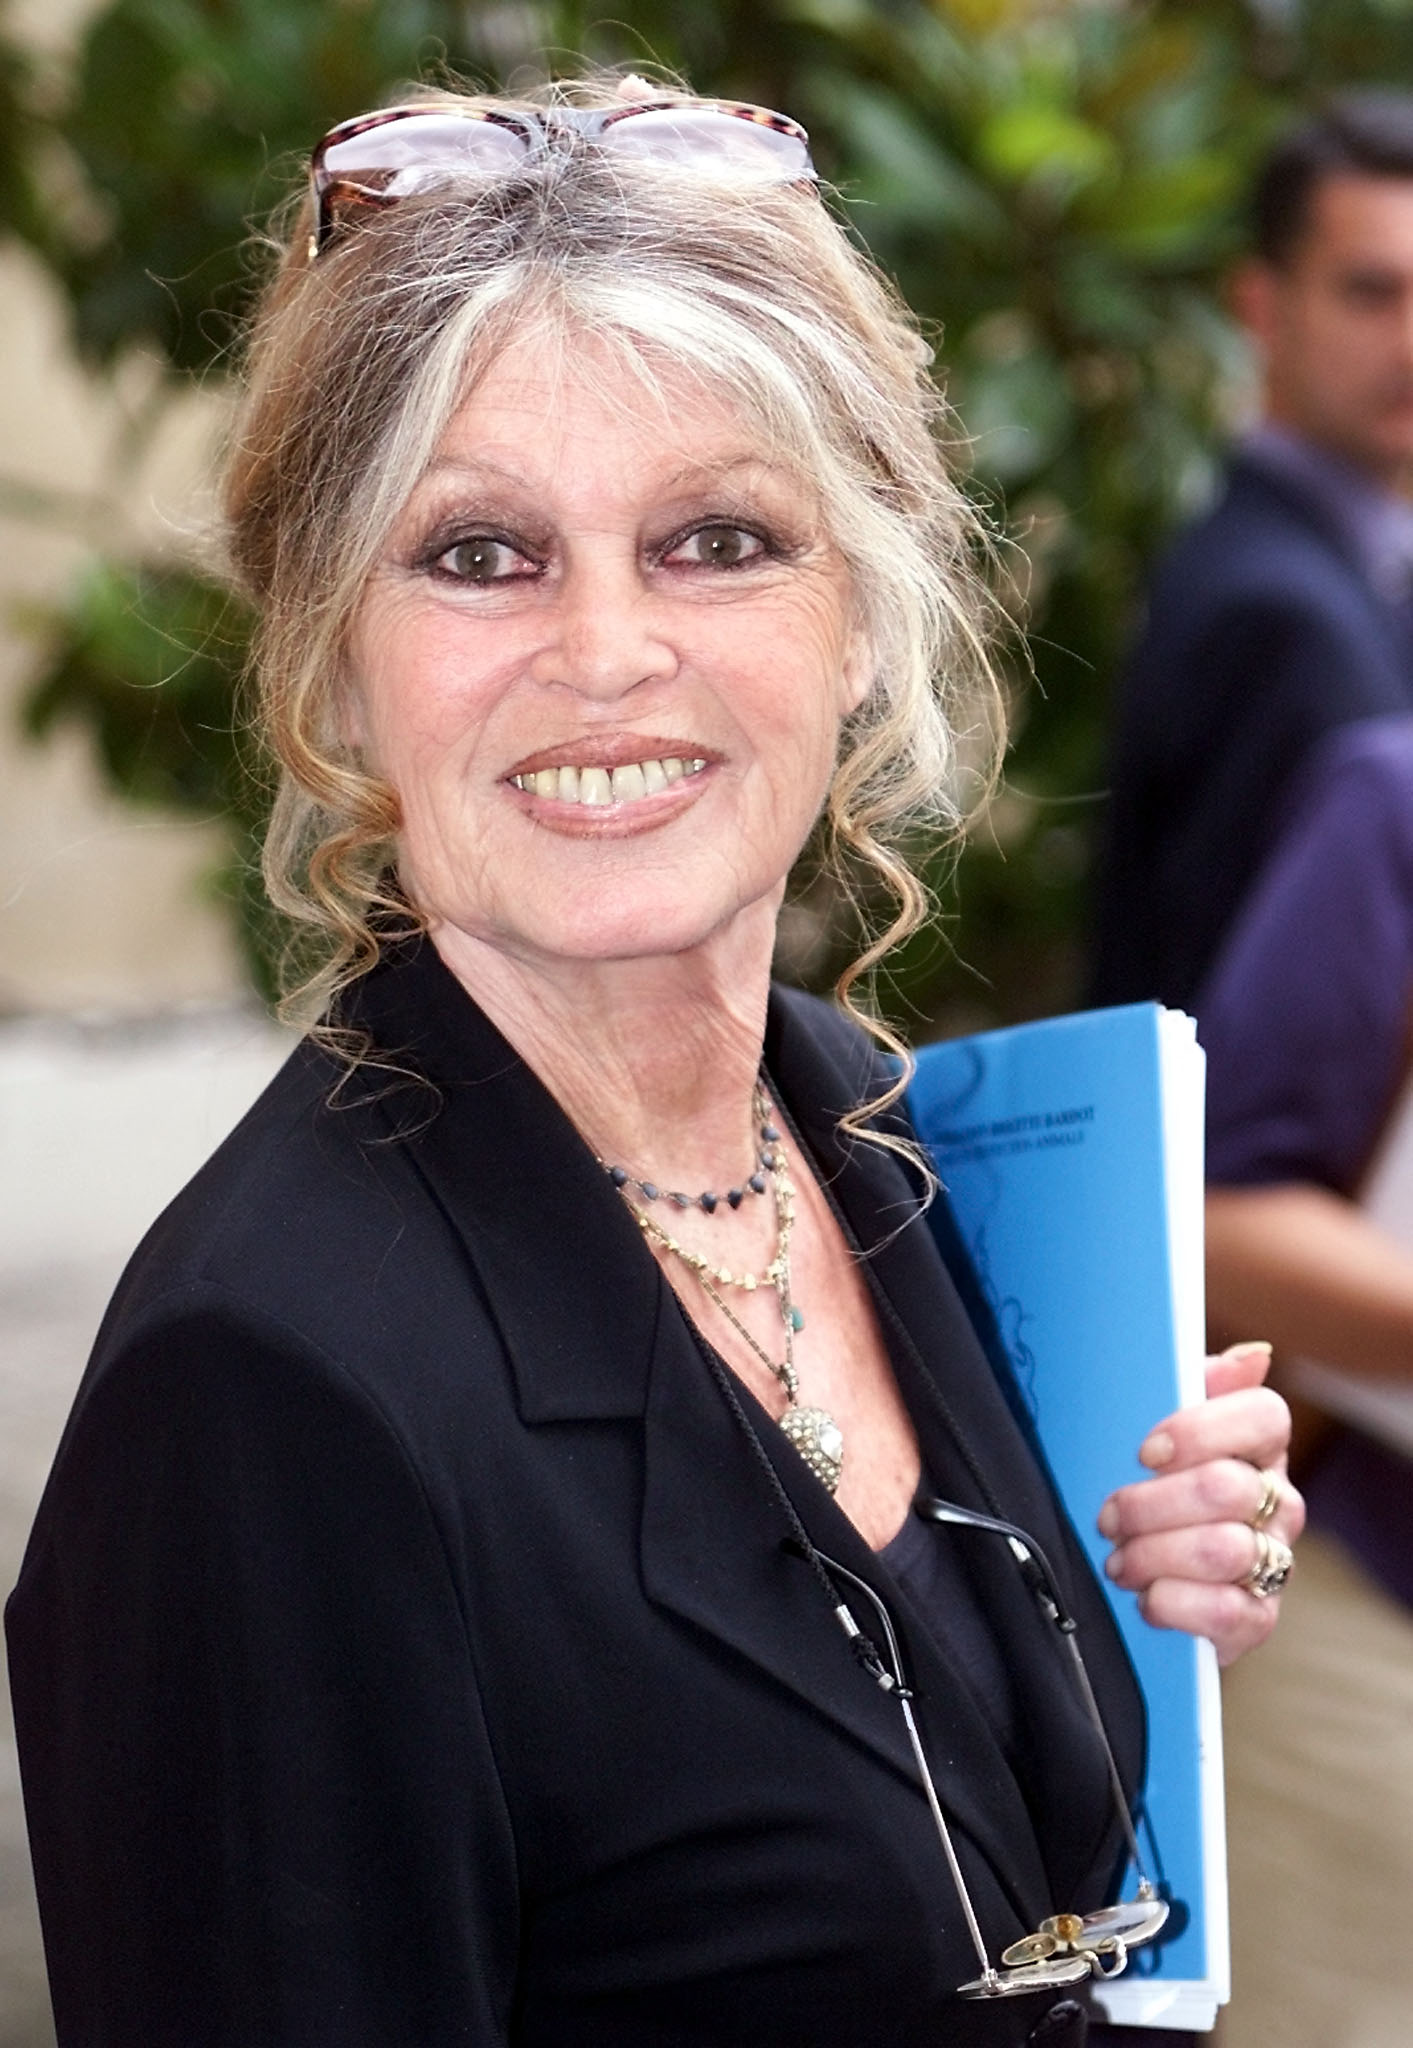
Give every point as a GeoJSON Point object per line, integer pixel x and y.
{"type": "Point", "coordinates": [1263, 634]}
{"type": "Point", "coordinates": [410, 1649]}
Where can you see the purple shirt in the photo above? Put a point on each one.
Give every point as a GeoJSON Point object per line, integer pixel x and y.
{"type": "Point", "coordinates": [1305, 1013]}
{"type": "Point", "coordinates": [1306, 1021]}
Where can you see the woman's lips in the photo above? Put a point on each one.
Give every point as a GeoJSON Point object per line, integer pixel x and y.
{"type": "Point", "coordinates": [595, 785]}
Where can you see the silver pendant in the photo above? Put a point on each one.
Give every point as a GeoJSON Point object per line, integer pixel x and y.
{"type": "Point", "coordinates": [819, 1440]}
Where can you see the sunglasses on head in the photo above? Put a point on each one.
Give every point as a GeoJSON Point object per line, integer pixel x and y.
{"type": "Point", "coordinates": [374, 160]}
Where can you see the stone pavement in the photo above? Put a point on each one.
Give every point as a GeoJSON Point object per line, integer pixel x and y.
{"type": "Point", "coordinates": [99, 1126]}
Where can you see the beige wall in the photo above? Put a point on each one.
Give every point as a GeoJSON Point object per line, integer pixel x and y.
{"type": "Point", "coordinates": [100, 904]}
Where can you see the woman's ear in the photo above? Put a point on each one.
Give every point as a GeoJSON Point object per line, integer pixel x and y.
{"type": "Point", "coordinates": [350, 722]}
{"type": "Point", "coordinates": [857, 671]}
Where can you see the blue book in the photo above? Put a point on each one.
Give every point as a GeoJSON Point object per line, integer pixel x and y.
{"type": "Point", "coordinates": [1071, 1155]}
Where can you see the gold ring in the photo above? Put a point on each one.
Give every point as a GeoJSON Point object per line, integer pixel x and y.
{"type": "Point", "coordinates": [1270, 1497]}
{"type": "Point", "coordinates": [1273, 1566]}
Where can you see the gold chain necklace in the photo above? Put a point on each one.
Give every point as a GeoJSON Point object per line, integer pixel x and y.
{"type": "Point", "coordinates": [813, 1431]}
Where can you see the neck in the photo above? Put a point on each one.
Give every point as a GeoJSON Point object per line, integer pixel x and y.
{"type": "Point", "coordinates": [1384, 473]}
{"type": "Point", "coordinates": [654, 1060]}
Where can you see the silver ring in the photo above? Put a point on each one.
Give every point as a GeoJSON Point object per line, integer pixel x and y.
{"type": "Point", "coordinates": [1270, 1497]}
{"type": "Point", "coordinates": [1273, 1566]}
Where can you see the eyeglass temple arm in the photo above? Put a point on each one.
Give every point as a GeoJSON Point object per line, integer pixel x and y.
{"type": "Point", "coordinates": [1038, 1574]}
{"type": "Point", "coordinates": [894, 1681]}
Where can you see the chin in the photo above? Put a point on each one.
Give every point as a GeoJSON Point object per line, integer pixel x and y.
{"type": "Point", "coordinates": [641, 930]}
{"type": "Point", "coordinates": [603, 941]}
{"type": "Point", "coordinates": [638, 915]}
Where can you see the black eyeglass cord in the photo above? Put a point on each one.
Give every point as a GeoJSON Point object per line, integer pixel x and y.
{"type": "Point", "coordinates": [1039, 1575]}
{"type": "Point", "coordinates": [866, 1652]}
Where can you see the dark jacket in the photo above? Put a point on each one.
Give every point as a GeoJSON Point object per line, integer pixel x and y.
{"type": "Point", "coordinates": [1263, 634]}
{"type": "Point", "coordinates": [410, 1648]}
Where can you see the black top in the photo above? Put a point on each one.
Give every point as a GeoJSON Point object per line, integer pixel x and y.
{"type": "Point", "coordinates": [1264, 632]}
{"type": "Point", "coordinates": [932, 1565]}
{"type": "Point", "coordinates": [411, 1649]}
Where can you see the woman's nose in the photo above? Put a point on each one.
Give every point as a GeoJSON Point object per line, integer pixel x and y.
{"type": "Point", "coordinates": [606, 634]}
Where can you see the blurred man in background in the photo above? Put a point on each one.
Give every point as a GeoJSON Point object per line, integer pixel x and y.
{"type": "Point", "coordinates": [1260, 872]}
{"type": "Point", "coordinates": [1288, 610]}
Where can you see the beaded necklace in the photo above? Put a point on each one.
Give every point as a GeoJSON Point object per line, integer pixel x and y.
{"type": "Point", "coordinates": [813, 1431]}
{"type": "Point", "coordinates": [755, 1182]}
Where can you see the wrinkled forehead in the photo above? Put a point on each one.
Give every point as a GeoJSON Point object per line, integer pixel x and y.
{"type": "Point", "coordinates": [557, 364]}
{"type": "Point", "coordinates": [580, 410]}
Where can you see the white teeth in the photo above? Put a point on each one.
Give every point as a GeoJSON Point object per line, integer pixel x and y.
{"type": "Point", "coordinates": [628, 783]}
{"type": "Point", "coordinates": [597, 787]}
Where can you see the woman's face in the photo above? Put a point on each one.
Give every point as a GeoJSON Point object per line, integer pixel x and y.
{"type": "Point", "coordinates": [603, 663]}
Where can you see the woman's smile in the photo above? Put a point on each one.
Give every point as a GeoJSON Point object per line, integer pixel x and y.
{"type": "Point", "coordinates": [617, 786]}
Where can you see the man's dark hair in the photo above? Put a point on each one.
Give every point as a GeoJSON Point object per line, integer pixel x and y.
{"type": "Point", "coordinates": [1368, 133]}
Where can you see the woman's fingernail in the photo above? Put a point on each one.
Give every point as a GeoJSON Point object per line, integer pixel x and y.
{"type": "Point", "coordinates": [1252, 1347]}
{"type": "Point", "coordinates": [1158, 1450]}
{"type": "Point", "coordinates": [1108, 1520]}
{"type": "Point", "coordinates": [1113, 1563]}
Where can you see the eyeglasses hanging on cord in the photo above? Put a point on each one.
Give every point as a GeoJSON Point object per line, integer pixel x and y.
{"type": "Point", "coordinates": [1066, 1947]}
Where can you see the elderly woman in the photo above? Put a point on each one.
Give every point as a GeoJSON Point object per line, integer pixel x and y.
{"type": "Point", "coordinates": [478, 1598]}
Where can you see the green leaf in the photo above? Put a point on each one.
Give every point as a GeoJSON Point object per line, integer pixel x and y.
{"type": "Point", "coordinates": [902, 169]}
{"type": "Point", "coordinates": [1034, 142]}
{"type": "Point", "coordinates": [1016, 411]}
{"type": "Point", "coordinates": [1177, 210]}
{"type": "Point", "coordinates": [150, 661]}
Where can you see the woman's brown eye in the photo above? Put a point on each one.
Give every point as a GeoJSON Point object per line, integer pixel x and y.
{"type": "Point", "coordinates": [483, 560]}
{"type": "Point", "coordinates": [720, 547]}
{"type": "Point", "coordinates": [723, 545]}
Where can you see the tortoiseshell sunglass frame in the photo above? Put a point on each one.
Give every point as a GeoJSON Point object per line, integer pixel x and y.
{"type": "Point", "coordinates": [535, 127]}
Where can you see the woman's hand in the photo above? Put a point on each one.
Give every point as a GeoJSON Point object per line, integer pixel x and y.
{"type": "Point", "coordinates": [1185, 1539]}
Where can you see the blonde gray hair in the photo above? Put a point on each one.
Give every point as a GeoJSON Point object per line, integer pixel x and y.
{"type": "Point", "coordinates": [358, 360]}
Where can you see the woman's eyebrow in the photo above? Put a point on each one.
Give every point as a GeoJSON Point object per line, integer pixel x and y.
{"type": "Point", "coordinates": [473, 466]}
{"type": "Point", "coordinates": [694, 470]}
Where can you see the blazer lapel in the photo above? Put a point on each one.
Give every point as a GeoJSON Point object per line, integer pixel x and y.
{"type": "Point", "coordinates": [561, 1266]}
